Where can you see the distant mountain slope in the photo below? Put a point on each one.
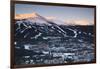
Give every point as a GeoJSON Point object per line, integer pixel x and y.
{"type": "Point", "coordinates": [34, 26]}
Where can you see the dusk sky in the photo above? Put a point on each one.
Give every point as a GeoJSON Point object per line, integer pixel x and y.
{"type": "Point", "coordinates": [66, 14]}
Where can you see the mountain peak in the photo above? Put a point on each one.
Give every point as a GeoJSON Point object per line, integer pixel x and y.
{"type": "Point", "coordinates": [26, 15]}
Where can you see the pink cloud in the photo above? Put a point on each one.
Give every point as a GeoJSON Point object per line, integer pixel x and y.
{"type": "Point", "coordinates": [24, 16]}
{"type": "Point", "coordinates": [50, 17]}
{"type": "Point", "coordinates": [79, 22]}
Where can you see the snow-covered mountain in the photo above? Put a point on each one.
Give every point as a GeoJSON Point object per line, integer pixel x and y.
{"type": "Point", "coordinates": [32, 17]}
{"type": "Point", "coordinates": [34, 26]}
{"type": "Point", "coordinates": [38, 23]}
{"type": "Point", "coordinates": [39, 39]}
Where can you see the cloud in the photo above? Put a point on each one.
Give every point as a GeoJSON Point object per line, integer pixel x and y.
{"type": "Point", "coordinates": [79, 22]}
{"type": "Point", "coordinates": [51, 17]}
{"type": "Point", "coordinates": [24, 16]}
